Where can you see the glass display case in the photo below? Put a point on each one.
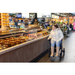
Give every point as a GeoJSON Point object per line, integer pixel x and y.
{"type": "Point", "coordinates": [34, 34]}
{"type": "Point", "coordinates": [20, 36]}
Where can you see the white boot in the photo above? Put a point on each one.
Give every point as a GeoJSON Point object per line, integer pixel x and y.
{"type": "Point", "coordinates": [57, 52]}
{"type": "Point", "coordinates": [52, 51]}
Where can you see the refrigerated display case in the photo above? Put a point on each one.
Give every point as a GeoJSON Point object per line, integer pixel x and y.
{"type": "Point", "coordinates": [25, 44]}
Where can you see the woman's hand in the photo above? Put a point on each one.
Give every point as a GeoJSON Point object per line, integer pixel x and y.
{"type": "Point", "coordinates": [48, 38]}
{"type": "Point", "coordinates": [57, 41]}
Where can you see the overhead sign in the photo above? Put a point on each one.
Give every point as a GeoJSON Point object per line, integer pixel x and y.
{"type": "Point", "coordinates": [55, 16]}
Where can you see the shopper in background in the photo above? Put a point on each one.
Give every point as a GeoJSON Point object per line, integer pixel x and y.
{"type": "Point", "coordinates": [47, 24]}
{"type": "Point", "coordinates": [33, 21]}
{"type": "Point", "coordinates": [67, 29]}
{"type": "Point", "coordinates": [29, 21]}
{"type": "Point", "coordinates": [10, 18]}
{"type": "Point", "coordinates": [71, 26]}
{"type": "Point", "coordinates": [56, 36]}
{"type": "Point", "coordinates": [16, 22]}
{"type": "Point", "coordinates": [36, 22]}
{"type": "Point", "coordinates": [67, 25]}
{"type": "Point", "coordinates": [26, 23]}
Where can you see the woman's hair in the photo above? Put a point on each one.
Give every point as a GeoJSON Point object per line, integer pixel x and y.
{"type": "Point", "coordinates": [35, 19]}
{"type": "Point", "coordinates": [56, 25]}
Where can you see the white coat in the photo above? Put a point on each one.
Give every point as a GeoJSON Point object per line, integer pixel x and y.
{"type": "Point", "coordinates": [56, 35]}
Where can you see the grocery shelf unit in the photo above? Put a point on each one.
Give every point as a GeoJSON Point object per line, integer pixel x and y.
{"type": "Point", "coordinates": [4, 19]}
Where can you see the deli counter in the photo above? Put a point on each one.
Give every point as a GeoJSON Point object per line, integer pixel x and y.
{"type": "Point", "coordinates": [23, 45]}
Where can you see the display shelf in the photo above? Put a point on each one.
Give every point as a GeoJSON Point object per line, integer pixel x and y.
{"type": "Point", "coordinates": [5, 15]}
{"type": "Point", "coordinates": [5, 19]}
{"type": "Point", "coordinates": [27, 36]}
{"type": "Point", "coordinates": [20, 45]}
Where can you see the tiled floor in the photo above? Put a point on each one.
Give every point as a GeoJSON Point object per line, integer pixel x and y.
{"type": "Point", "coordinates": [69, 45]}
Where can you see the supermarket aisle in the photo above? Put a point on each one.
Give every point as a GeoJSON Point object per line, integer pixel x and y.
{"type": "Point", "coordinates": [69, 44]}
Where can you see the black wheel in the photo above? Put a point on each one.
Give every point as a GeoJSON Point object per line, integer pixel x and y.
{"type": "Point", "coordinates": [61, 55]}
{"type": "Point", "coordinates": [63, 52]}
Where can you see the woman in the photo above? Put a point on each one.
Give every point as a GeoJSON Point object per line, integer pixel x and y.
{"type": "Point", "coordinates": [36, 22]}
{"type": "Point", "coordinates": [56, 36]}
